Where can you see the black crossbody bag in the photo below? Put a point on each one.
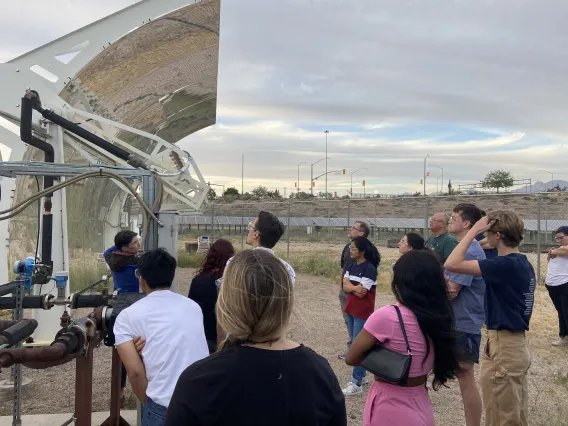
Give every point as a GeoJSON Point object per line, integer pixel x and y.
{"type": "Point", "coordinates": [390, 366]}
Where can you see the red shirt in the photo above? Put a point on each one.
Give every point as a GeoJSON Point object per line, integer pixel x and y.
{"type": "Point", "coordinates": [363, 274]}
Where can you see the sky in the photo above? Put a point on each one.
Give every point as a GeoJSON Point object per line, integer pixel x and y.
{"type": "Point", "coordinates": [476, 84]}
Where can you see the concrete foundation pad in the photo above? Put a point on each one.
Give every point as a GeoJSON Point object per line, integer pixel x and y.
{"type": "Point", "coordinates": [59, 419]}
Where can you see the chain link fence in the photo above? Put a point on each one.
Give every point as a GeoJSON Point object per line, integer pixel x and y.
{"type": "Point", "coordinates": [317, 229]}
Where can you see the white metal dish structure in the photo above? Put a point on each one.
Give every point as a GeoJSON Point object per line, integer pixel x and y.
{"type": "Point", "coordinates": [188, 190]}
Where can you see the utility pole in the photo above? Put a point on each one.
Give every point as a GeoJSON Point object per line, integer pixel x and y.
{"type": "Point", "coordinates": [425, 200]}
{"type": "Point", "coordinates": [312, 176]}
{"type": "Point", "coordinates": [326, 132]}
{"type": "Point", "coordinates": [298, 188]}
{"type": "Point", "coordinates": [243, 176]}
{"type": "Point", "coordinates": [358, 170]}
{"type": "Point", "coordinates": [442, 169]}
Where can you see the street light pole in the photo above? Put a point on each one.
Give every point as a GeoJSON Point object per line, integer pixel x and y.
{"type": "Point", "coordinates": [552, 174]}
{"type": "Point", "coordinates": [326, 132]}
{"type": "Point", "coordinates": [312, 175]}
{"type": "Point", "coordinates": [243, 176]}
{"type": "Point", "coordinates": [441, 168]}
{"type": "Point", "coordinates": [303, 162]}
{"type": "Point", "coordinates": [358, 170]}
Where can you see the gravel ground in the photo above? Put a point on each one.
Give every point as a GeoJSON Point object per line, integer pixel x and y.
{"type": "Point", "coordinates": [318, 324]}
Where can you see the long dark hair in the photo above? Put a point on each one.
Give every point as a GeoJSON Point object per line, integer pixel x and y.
{"type": "Point", "coordinates": [371, 253]}
{"type": "Point", "coordinates": [415, 241]}
{"type": "Point", "coordinates": [418, 283]}
{"type": "Point", "coordinates": [213, 264]}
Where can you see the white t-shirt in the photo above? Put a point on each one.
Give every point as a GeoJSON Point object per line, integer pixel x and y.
{"type": "Point", "coordinates": [173, 328]}
{"type": "Point", "coordinates": [557, 271]}
{"type": "Point", "coordinates": [288, 267]}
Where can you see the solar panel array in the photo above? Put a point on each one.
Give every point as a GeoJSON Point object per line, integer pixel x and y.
{"type": "Point", "coordinates": [403, 223]}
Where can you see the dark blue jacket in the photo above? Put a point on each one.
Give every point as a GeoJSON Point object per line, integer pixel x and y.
{"type": "Point", "coordinates": [123, 266]}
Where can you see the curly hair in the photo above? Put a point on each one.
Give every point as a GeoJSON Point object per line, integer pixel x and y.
{"type": "Point", "coordinates": [213, 264]}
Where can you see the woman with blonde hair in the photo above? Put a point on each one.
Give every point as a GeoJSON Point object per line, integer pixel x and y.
{"type": "Point", "coordinates": [258, 376]}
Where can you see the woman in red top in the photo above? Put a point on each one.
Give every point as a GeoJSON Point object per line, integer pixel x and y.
{"type": "Point", "coordinates": [360, 282]}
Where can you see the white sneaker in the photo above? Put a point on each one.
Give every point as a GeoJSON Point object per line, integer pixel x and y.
{"type": "Point", "coordinates": [365, 381]}
{"type": "Point", "coordinates": [352, 389]}
{"type": "Point", "coordinates": [563, 341]}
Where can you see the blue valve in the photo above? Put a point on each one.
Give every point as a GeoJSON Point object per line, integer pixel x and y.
{"type": "Point", "coordinates": [60, 278]}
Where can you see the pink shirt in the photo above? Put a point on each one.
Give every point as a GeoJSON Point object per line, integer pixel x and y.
{"type": "Point", "coordinates": [384, 326]}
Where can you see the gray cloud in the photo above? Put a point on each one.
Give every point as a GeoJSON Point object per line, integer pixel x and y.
{"type": "Point", "coordinates": [301, 63]}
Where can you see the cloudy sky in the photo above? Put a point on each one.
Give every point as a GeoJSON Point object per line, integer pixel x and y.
{"type": "Point", "coordinates": [477, 84]}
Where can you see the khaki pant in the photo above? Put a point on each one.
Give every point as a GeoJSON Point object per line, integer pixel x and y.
{"type": "Point", "coordinates": [505, 363]}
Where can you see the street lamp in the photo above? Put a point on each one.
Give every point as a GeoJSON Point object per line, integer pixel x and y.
{"type": "Point", "coordinates": [441, 168]}
{"type": "Point", "coordinates": [312, 175]}
{"type": "Point", "coordinates": [216, 184]}
{"type": "Point", "coordinates": [546, 171]}
{"type": "Point", "coordinates": [303, 162]}
{"type": "Point", "coordinates": [329, 173]}
{"type": "Point", "coordinates": [441, 186]}
{"type": "Point", "coordinates": [326, 133]}
{"type": "Point", "coordinates": [358, 170]}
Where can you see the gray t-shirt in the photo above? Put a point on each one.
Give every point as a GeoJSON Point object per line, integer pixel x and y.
{"type": "Point", "coordinates": [469, 308]}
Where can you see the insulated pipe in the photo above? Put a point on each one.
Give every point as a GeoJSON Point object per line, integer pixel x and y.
{"type": "Point", "coordinates": [29, 302]}
{"type": "Point", "coordinates": [8, 288]}
{"type": "Point", "coordinates": [91, 137]}
{"type": "Point", "coordinates": [31, 101]}
{"type": "Point", "coordinates": [18, 332]}
{"type": "Point", "coordinates": [56, 352]}
{"type": "Point", "coordinates": [4, 324]}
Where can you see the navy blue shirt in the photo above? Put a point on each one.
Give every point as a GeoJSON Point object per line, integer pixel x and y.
{"type": "Point", "coordinates": [509, 292]}
{"type": "Point", "coordinates": [489, 253]}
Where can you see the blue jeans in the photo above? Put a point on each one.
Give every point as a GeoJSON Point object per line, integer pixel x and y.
{"type": "Point", "coordinates": [355, 325]}
{"type": "Point", "coordinates": [153, 414]}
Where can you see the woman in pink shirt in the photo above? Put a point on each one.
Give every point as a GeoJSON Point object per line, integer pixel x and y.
{"type": "Point", "coordinates": [420, 289]}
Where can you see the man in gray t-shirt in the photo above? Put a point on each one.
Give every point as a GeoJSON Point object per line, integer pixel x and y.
{"type": "Point", "coordinates": [467, 294]}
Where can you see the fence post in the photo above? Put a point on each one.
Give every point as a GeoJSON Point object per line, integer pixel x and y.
{"type": "Point", "coordinates": [538, 214]}
{"type": "Point", "coordinates": [288, 231]}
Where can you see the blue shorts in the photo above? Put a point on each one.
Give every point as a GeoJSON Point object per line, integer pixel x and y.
{"type": "Point", "coordinates": [468, 347]}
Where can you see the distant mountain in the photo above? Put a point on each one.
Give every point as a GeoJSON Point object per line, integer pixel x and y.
{"type": "Point", "coordinates": [539, 186]}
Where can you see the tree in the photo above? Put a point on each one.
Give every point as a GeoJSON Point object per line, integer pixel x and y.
{"type": "Point", "coordinates": [260, 192]}
{"type": "Point", "coordinates": [231, 192]}
{"type": "Point", "coordinates": [211, 194]}
{"type": "Point", "coordinates": [498, 179]}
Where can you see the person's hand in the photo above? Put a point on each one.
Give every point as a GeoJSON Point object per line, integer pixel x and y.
{"type": "Point", "coordinates": [550, 255]}
{"type": "Point", "coordinates": [361, 291]}
{"type": "Point", "coordinates": [139, 344]}
{"type": "Point", "coordinates": [483, 225]}
{"type": "Point", "coordinates": [447, 278]}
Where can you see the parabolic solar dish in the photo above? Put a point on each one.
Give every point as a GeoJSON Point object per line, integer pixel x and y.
{"type": "Point", "coordinates": [160, 78]}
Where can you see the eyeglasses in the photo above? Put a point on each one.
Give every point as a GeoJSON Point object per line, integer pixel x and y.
{"type": "Point", "coordinates": [355, 228]}
{"type": "Point", "coordinates": [137, 273]}
{"type": "Point", "coordinates": [403, 242]}
{"type": "Point", "coordinates": [353, 249]}
{"type": "Point", "coordinates": [454, 218]}
{"type": "Point", "coordinates": [560, 238]}
{"type": "Point", "coordinates": [252, 227]}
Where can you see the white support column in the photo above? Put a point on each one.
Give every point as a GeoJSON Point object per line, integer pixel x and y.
{"type": "Point", "coordinates": [49, 321]}
{"type": "Point", "coordinates": [168, 234]}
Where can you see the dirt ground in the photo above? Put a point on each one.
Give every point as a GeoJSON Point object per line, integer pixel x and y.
{"type": "Point", "coordinates": [318, 324]}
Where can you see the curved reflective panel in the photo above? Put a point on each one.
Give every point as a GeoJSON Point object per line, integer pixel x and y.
{"type": "Point", "coordinates": [160, 78]}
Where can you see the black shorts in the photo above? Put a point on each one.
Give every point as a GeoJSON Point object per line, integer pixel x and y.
{"type": "Point", "coordinates": [468, 347]}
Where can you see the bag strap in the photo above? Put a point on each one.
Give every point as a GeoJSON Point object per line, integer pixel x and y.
{"type": "Point", "coordinates": [402, 328]}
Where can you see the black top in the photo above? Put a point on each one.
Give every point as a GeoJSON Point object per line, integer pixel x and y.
{"type": "Point", "coordinates": [509, 292]}
{"type": "Point", "coordinates": [258, 387]}
{"type": "Point", "coordinates": [204, 292]}
{"type": "Point", "coordinates": [346, 257]}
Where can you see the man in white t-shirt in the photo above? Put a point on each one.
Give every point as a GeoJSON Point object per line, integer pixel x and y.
{"type": "Point", "coordinates": [172, 327]}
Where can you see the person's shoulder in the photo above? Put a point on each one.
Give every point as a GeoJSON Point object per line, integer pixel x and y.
{"type": "Point", "coordinates": [320, 362]}
{"type": "Point", "coordinates": [476, 250]}
{"type": "Point", "coordinates": [211, 369]}
{"type": "Point", "coordinates": [450, 238]}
